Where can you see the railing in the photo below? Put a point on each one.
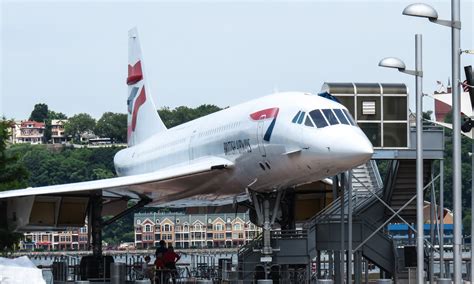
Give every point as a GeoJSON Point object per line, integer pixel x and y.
{"type": "Point", "coordinates": [289, 234]}
{"type": "Point", "coordinates": [256, 242]}
{"type": "Point", "coordinates": [360, 198]}
{"type": "Point", "coordinates": [390, 179]}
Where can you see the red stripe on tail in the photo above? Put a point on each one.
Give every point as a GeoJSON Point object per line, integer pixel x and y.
{"type": "Point", "coordinates": [135, 73]}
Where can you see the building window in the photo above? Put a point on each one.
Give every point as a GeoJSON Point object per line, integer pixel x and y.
{"type": "Point", "coordinates": [147, 228]}
{"type": "Point", "coordinates": [218, 227]}
{"type": "Point", "coordinates": [139, 221]}
{"type": "Point", "coordinates": [237, 227]}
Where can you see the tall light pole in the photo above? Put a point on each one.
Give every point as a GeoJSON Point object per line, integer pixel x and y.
{"type": "Point", "coordinates": [392, 62]}
{"type": "Point", "coordinates": [426, 11]}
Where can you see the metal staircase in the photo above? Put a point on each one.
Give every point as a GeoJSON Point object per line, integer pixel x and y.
{"type": "Point", "coordinates": [368, 214]}
{"type": "Point", "coordinates": [323, 231]}
{"type": "Point", "coordinates": [400, 187]}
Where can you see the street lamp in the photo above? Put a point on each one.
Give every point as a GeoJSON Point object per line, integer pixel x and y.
{"type": "Point", "coordinates": [426, 11]}
{"type": "Point", "coordinates": [392, 62]}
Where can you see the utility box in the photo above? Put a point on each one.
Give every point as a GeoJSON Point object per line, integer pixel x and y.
{"type": "Point", "coordinates": [380, 110]}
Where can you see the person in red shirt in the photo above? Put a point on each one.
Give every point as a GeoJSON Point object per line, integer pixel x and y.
{"type": "Point", "coordinates": [170, 258]}
{"type": "Point", "coordinates": [160, 266]}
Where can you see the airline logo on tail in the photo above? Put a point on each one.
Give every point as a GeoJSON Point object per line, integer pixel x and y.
{"type": "Point", "coordinates": [266, 114]}
{"type": "Point", "coordinates": [134, 102]}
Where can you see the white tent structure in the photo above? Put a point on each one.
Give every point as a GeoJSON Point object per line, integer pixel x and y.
{"type": "Point", "coordinates": [19, 270]}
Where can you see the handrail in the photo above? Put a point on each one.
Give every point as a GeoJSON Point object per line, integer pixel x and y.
{"type": "Point", "coordinates": [250, 245]}
{"type": "Point", "coordinates": [390, 179]}
{"type": "Point", "coordinates": [360, 198]}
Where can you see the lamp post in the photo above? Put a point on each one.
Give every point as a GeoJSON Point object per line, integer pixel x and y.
{"type": "Point", "coordinates": [426, 11]}
{"type": "Point", "coordinates": [392, 62]}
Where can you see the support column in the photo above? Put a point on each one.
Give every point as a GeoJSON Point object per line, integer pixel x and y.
{"type": "Point", "coordinates": [441, 219]}
{"type": "Point", "coordinates": [357, 267]}
{"type": "Point", "coordinates": [348, 184]}
{"type": "Point", "coordinates": [95, 223]}
{"type": "Point", "coordinates": [337, 268]}
{"type": "Point", "coordinates": [420, 278]}
{"type": "Point", "coordinates": [457, 182]}
{"type": "Point", "coordinates": [331, 264]}
{"type": "Point", "coordinates": [432, 222]}
{"type": "Point", "coordinates": [342, 252]}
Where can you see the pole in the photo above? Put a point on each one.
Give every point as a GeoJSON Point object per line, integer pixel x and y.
{"type": "Point", "coordinates": [441, 217]}
{"type": "Point", "coordinates": [341, 266]}
{"type": "Point", "coordinates": [419, 163]}
{"type": "Point", "coordinates": [432, 223]}
{"type": "Point", "coordinates": [455, 54]}
{"type": "Point", "coordinates": [472, 208]}
{"type": "Point", "coordinates": [349, 226]}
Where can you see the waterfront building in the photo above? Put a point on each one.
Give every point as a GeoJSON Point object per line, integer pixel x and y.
{"type": "Point", "coordinates": [31, 132]}
{"type": "Point", "coordinates": [57, 131]}
{"type": "Point", "coordinates": [74, 239]}
{"type": "Point", "coordinates": [193, 231]}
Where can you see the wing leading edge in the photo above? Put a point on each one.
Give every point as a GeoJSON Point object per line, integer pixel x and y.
{"type": "Point", "coordinates": [128, 183]}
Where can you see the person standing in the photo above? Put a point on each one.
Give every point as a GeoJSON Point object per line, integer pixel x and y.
{"type": "Point", "coordinates": [170, 258]}
{"type": "Point", "coordinates": [160, 263]}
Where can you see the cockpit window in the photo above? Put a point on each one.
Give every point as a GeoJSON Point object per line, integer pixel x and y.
{"type": "Point", "coordinates": [349, 117]}
{"type": "Point", "coordinates": [295, 119]}
{"type": "Point", "coordinates": [341, 116]}
{"type": "Point", "coordinates": [331, 117]}
{"type": "Point", "coordinates": [318, 118]}
{"type": "Point", "coordinates": [308, 122]}
{"type": "Point", "coordinates": [300, 119]}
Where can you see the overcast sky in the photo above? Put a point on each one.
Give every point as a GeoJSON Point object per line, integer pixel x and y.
{"type": "Point", "coordinates": [72, 55]}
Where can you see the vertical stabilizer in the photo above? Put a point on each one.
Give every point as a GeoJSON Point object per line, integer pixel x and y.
{"type": "Point", "coordinates": [143, 118]}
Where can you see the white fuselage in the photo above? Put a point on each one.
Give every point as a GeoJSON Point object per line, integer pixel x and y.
{"type": "Point", "coordinates": [293, 154]}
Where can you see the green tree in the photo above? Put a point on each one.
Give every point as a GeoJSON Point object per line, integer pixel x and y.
{"type": "Point", "coordinates": [12, 176]}
{"type": "Point", "coordinates": [39, 113]}
{"type": "Point", "coordinates": [182, 114]}
{"type": "Point", "coordinates": [113, 126]}
{"type": "Point", "coordinates": [79, 124]}
{"type": "Point", "coordinates": [56, 115]}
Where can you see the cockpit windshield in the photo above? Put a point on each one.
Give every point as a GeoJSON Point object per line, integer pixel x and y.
{"type": "Point", "coordinates": [341, 116]}
{"type": "Point", "coordinates": [349, 117]}
{"type": "Point", "coordinates": [321, 118]}
{"type": "Point", "coordinates": [318, 118]}
{"type": "Point", "coordinates": [330, 116]}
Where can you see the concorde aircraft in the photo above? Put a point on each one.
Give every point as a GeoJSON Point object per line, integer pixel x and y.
{"type": "Point", "coordinates": [255, 148]}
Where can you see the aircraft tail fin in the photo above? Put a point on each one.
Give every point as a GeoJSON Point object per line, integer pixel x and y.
{"type": "Point", "coordinates": [143, 118]}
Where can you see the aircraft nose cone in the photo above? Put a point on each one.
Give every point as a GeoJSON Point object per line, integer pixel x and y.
{"type": "Point", "coordinates": [353, 148]}
{"type": "Point", "coordinates": [362, 149]}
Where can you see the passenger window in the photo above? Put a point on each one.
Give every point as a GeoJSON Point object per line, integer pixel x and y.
{"type": "Point", "coordinates": [308, 121]}
{"type": "Point", "coordinates": [318, 118]}
{"type": "Point", "coordinates": [349, 117]}
{"type": "Point", "coordinates": [330, 116]}
{"type": "Point", "coordinates": [296, 117]}
{"type": "Point", "coordinates": [341, 116]}
{"type": "Point", "coordinates": [300, 119]}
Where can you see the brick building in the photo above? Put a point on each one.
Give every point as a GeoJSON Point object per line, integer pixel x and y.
{"type": "Point", "coordinates": [193, 231]}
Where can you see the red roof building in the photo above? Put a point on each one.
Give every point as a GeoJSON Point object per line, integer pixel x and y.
{"type": "Point", "coordinates": [31, 132]}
